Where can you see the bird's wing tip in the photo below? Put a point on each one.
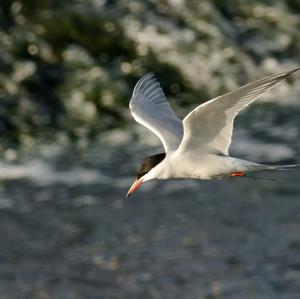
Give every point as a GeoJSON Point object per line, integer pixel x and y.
{"type": "Point", "coordinates": [142, 80]}
{"type": "Point", "coordinates": [148, 75]}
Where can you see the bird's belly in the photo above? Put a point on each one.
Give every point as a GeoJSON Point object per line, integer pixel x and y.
{"type": "Point", "coordinates": [203, 167]}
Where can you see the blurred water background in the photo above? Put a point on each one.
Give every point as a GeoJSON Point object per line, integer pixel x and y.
{"type": "Point", "coordinates": [69, 149]}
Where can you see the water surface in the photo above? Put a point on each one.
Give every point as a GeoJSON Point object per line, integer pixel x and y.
{"type": "Point", "coordinates": [68, 232]}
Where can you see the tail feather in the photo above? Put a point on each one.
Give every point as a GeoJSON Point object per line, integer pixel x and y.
{"type": "Point", "coordinates": [282, 167]}
{"type": "Point", "coordinates": [257, 167]}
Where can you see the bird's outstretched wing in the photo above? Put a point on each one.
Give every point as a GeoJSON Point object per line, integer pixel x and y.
{"type": "Point", "coordinates": [150, 108]}
{"type": "Point", "coordinates": [209, 126]}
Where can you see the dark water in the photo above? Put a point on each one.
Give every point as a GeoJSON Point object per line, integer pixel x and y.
{"type": "Point", "coordinates": [68, 232]}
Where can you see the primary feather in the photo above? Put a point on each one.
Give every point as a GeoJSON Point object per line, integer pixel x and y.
{"type": "Point", "coordinates": [150, 108]}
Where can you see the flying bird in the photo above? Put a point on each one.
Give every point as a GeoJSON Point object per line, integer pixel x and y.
{"type": "Point", "coordinates": [197, 146]}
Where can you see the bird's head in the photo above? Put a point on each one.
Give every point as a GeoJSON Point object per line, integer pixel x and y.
{"type": "Point", "coordinates": [145, 171]}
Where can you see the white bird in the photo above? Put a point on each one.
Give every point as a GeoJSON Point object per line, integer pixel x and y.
{"type": "Point", "coordinates": [197, 146]}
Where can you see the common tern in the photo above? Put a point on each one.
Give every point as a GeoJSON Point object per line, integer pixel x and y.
{"type": "Point", "coordinates": [197, 146]}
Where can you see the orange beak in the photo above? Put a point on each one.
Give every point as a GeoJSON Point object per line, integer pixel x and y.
{"type": "Point", "coordinates": [134, 186]}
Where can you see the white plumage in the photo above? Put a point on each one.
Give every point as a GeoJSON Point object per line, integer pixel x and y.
{"type": "Point", "coordinates": [196, 147]}
{"type": "Point", "coordinates": [150, 107]}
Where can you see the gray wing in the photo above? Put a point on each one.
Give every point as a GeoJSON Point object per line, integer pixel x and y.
{"type": "Point", "coordinates": [150, 108]}
{"type": "Point", "coordinates": [209, 126]}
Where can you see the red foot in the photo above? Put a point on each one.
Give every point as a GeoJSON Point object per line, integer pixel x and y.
{"type": "Point", "coordinates": [239, 173]}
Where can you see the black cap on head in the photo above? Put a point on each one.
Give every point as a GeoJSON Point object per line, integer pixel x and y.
{"type": "Point", "coordinates": [149, 163]}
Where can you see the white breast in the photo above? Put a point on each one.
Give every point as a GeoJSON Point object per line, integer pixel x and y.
{"type": "Point", "coordinates": [200, 166]}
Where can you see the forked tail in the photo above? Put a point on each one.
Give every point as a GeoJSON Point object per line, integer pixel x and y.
{"type": "Point", "coordinates": [282, 167]}
{"type": "Point", "coordinates": [257, 167]}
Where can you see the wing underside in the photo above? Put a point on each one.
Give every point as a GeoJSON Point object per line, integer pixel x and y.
{"type": "Point", "coordinates": [150, 108]}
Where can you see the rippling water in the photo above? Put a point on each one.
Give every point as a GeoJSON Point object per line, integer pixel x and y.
{"type": "Point", "coordinates": [68, 232]}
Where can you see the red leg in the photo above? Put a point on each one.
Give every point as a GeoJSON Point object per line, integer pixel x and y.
{"type": "Point", "coordinates": [239, 173]}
